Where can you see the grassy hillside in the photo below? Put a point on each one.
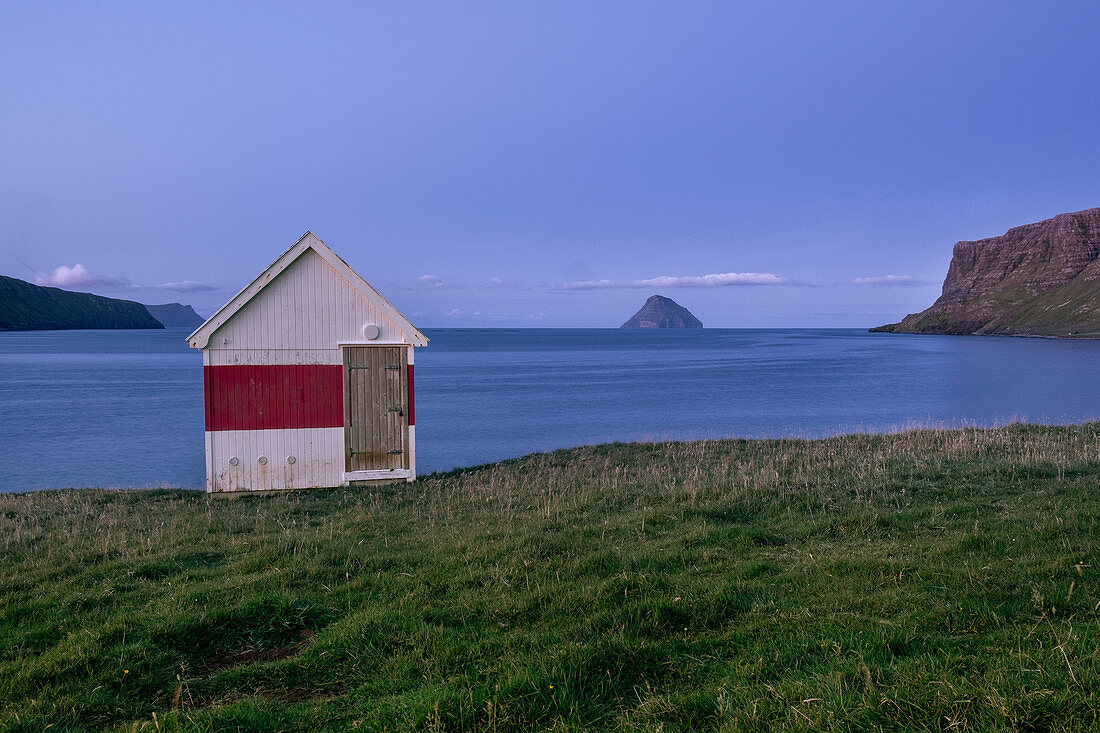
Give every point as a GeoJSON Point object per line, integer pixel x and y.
{"type": "Point", "coordinates": [932, 580]}
{"type": "Point", "coordinates": [1072, 310]}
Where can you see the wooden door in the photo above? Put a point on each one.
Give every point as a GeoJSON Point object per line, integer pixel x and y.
{"type": "Point", "coordinates": [376, 408]}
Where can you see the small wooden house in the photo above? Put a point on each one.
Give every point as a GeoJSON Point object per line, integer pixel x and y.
{"type": "Point", "coordinates": [307, 380]}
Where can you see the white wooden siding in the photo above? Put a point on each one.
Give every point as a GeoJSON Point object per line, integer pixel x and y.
{"type": "Point", "coordinates": [307, 306]}
{"type": "Point", "coordinates": [250, 357]}
{"type": "Point", "coordinates": [318, 459]}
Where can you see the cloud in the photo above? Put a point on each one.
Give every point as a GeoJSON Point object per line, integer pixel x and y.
{"type": "Point", "coordinates": [714, 280]}
{"type": "Point", "coordinates": [78, 276]}
{"type": "Point", "coordinates": [188, 286]}
{"type": "Point", "coordinates": [429, 281]}
{"type": "Point", "coordinates": [496, 282]}
{"type": "Point", "coordinates": [454, 312]}
{"type": "Point", "coordinates": [593, 285]}
{"type": "Point", "coordinates": [890, 280]}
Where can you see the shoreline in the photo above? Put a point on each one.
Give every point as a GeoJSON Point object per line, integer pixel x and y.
{"type": "Point", "coordinates": [778, 441]}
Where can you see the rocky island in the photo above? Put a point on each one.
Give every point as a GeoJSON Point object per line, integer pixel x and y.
{"type": "Point", "coordinates": [662, 312]}
{"type": "Point", "coordinates": [1040, 279]}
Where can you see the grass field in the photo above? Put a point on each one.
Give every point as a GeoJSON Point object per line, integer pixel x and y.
{"type": "Point", "coordinates": [928, 580]}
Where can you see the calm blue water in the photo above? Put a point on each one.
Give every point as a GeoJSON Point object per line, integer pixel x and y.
{"type": "Point", "coordinates": [124, 408]}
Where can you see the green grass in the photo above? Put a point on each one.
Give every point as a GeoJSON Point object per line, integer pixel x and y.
{"type": "Point", "coordinates": [1014, 308]}
{"type": "Point", "coordinates": [928, 580]}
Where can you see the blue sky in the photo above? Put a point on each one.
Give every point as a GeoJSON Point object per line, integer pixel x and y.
{"type": "Point", "coordinates": [511, 164]}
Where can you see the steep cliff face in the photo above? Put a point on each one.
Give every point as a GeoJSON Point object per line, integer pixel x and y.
{"type": "Point", "coordinates": [27, 307]}
{"type": "Point", "coordinates": [1039, 279]}
{"type": "Point", "coordinates": [175, 315]}
{"type": "Point", "coordinates": [662, 312]}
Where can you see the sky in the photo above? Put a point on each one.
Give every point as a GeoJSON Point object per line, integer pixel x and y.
{"type": "Point", "coordinates": [543, 164]}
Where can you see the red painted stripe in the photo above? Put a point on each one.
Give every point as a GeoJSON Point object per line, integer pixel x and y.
{"type": "Point", "coordinates": [412, 403]}
{"type": "Point", "coordinates": [274, 396]}
{"type": "Point", "coordinates": [207, 397]}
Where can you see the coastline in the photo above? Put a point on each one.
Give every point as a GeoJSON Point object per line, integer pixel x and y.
{"type": "Point", "coordinates": [1067, 337]}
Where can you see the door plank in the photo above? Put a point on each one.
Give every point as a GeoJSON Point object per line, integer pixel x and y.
{"type": "Point", "coordinates": [376, 408]}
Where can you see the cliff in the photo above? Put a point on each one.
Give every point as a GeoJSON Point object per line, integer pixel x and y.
{"type": "Point", "coordinates": [1039, 279]}
{"type": "Point", "coordinates": [27, 307]}
{"type": "Point", "coordinates": [174, 315]}
{"type": "Point", "coordinates": [662, 312]}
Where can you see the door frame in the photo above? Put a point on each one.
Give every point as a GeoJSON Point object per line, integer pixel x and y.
{"type": "Point", "coordinates": [406, 473]}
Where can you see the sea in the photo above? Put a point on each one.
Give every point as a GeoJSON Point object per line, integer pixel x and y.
{"type": "Point", "coordinates": [124, 409]}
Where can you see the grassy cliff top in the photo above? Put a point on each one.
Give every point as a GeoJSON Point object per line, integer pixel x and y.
{"type": "Point", "coordinates": [928, 580]}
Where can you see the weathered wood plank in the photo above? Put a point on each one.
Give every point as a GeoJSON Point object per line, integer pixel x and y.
{"type": "Point", "coordinates": [376, 408]}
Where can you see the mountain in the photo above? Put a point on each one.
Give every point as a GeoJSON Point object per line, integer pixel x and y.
{"type": "Point", "coordinates": [662, 312]}
{"type": "Point", "coordinates": [176, 314]}
{"type": "Point", "coordinates": [27, 307]}
{"type": "Point", "coordinates": [1039, 279]}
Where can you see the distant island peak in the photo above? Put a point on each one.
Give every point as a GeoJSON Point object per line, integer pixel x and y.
{"type": "Point", "coordinates": [176, 315]}
{"type": "Point", "coordinates": [662, 312]}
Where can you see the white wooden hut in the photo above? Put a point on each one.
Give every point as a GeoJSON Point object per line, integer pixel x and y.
{"type": "Point", "coordinates": [307, 380]}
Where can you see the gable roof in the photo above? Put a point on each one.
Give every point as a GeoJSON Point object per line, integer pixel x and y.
{"type": "Point", "coordinates": [201, 337]}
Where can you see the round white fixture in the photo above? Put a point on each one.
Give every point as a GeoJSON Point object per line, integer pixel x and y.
{"type": "Point", "coordinates": [262, 460]}
{"type": "Point", "coordinates": [234, 461]}
{"type": "Point", "coordinates": [371, 332]}
{"type": "Point", "coordinates": [291, 460]}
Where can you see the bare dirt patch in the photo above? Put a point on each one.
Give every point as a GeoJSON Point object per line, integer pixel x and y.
{"type": "Point", "coordinates": [227, 660]}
